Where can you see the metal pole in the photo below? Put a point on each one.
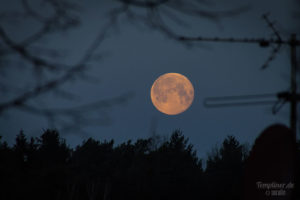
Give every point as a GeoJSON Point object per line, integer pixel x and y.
{"type": "Point", "coordinates": [293, 111]}
{"type": "Point", "coordinates": [292, 97]}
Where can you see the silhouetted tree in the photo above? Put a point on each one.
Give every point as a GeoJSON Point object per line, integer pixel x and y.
{"type": "Point", "coordinates": [21, 148]}
{"type": "Point", "coordinates": [94, 166]}
{"type": "Point", "coordinates": [130, 170]}
{"type": "Point", "coordinates": [297, 187]}
{"type": "Point", "coordinates": [224, 169]}
{"type": "Point", "coordinates": [53, 149]}
{"type": "Point", "coordinates": [175, 168]}
{"type": "Point", "coordinates": [8, 172]}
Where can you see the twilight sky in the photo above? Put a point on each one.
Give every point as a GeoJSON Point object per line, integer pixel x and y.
{"type": "Point", "coordinates": [134, 56]}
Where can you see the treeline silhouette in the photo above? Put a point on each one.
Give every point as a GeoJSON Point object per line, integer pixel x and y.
{"type": "Point", "coordinates": [46, 168]}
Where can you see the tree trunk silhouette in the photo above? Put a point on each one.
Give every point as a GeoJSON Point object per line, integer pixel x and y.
{"type": "Point", "coordinates": [107, 190]}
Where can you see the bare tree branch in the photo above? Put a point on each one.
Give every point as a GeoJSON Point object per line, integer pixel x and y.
{"type": "Point", "coordinates": [55, 16]}
{"type": "Point", "coordinates": [156, 13]}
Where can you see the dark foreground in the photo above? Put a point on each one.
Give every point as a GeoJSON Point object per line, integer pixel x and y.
{"type": "Point", "coordinates": [154, 168]}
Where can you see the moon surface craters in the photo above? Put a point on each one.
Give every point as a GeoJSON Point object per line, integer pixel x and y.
{"type": "Point", "coordinates": [172, 93]}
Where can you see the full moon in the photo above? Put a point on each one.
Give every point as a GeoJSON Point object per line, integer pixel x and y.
{"type": "Point", "coordinates": [172, 93]}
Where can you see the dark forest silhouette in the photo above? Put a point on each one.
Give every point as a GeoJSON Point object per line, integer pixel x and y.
{"type": "Point", "coordinates": [46, 168]}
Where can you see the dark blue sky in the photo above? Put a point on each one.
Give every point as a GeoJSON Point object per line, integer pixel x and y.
{"type": "Point", "coordinates": [135, 57]}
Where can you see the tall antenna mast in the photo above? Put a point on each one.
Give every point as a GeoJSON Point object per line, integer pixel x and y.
{"type": "Point", "coordinates": [290, 96]}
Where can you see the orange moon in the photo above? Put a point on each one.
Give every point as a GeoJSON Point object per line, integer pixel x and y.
{"type": "Point", "coordinates": [172, 93]}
